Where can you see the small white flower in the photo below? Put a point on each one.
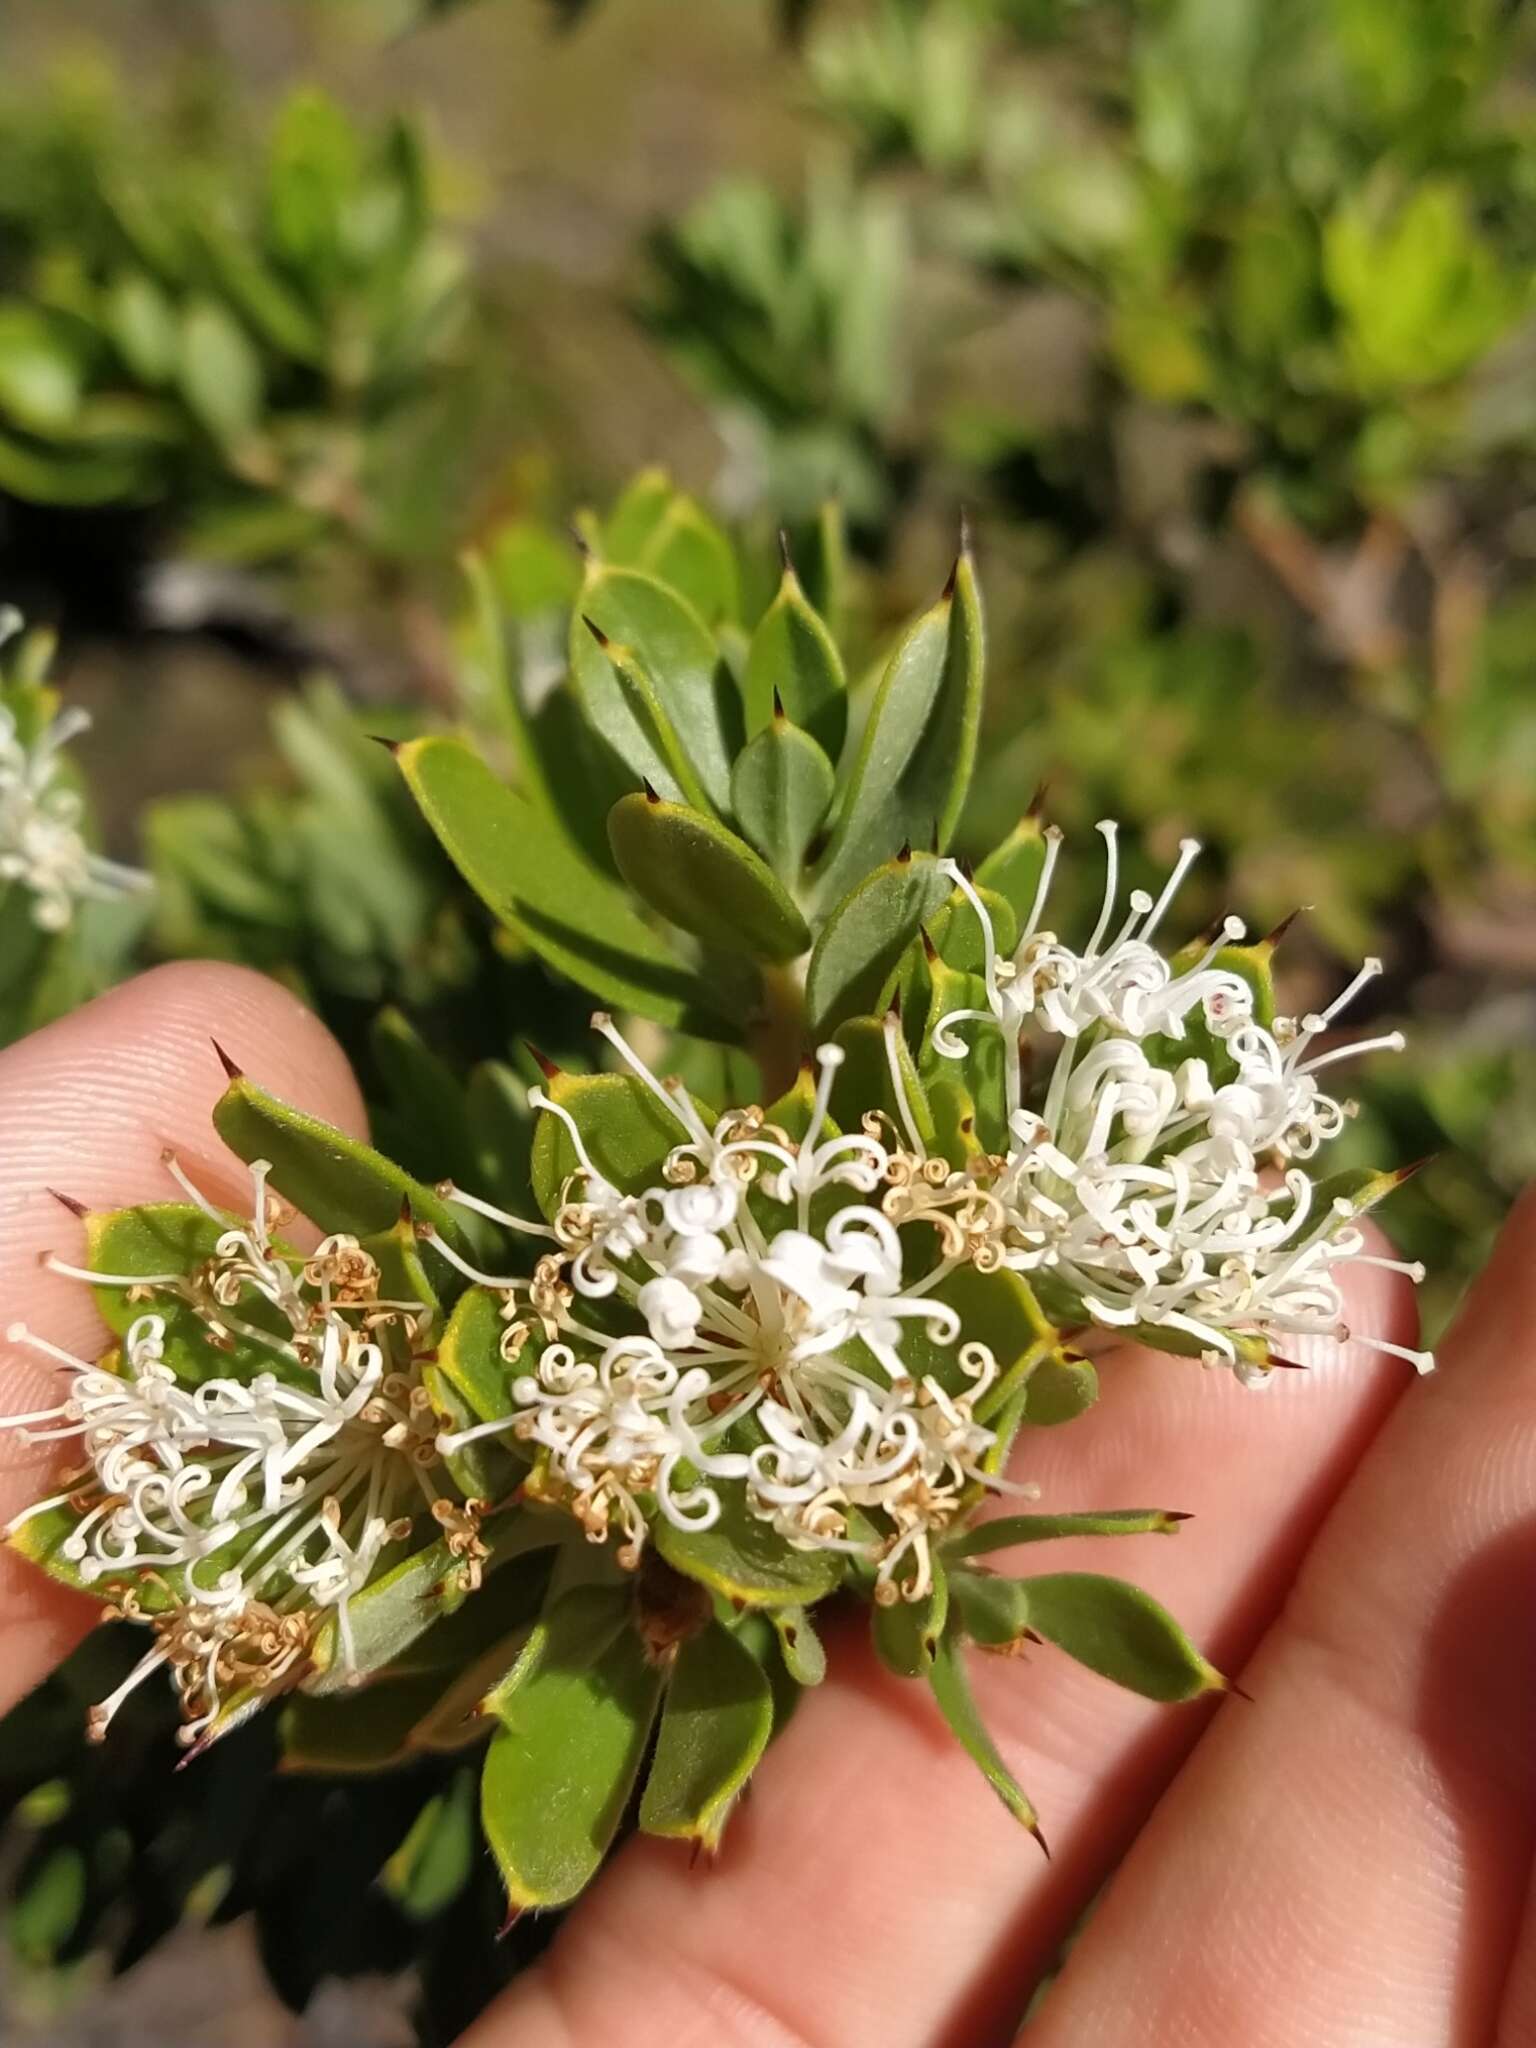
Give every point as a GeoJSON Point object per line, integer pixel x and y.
{"type": "Point", "coordinates": [707, 1207]}
{"type": "Point", "coordinates": [697, 1258]}
{"type": "Point", "coordinates": [671, 1310]}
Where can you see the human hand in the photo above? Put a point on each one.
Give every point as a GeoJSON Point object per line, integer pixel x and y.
{"type": "Point", "coordinates": [1344, 1860]}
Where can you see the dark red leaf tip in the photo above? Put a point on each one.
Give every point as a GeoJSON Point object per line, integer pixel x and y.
{"type": "Point", "coordinates": [390, 746]}
{"type": "Point", "coordinates": [1414, 1166]}
{"type": "Point", "coordinates": [905, 853]}
{"type": "Point", "coordinates": [778, 702]}
{"type": "Point", "coordinates": [231, 1071]}
{"type": "Point", "coordinates": [652, 793]}
{"type": "Point", "coordinates": [596, 631]}
{"type": "Point", "coordinates": [68, 1202]}
{"type": "Point", "coordinates": [1273, 938]}
{"type": "Point", "coordinates": [1037, 801]}
{"type": "Point", "coordinates": [545, 1065]}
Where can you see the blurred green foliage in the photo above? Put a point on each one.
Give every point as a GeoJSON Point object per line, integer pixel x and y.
{"type": "Point", "coordinates": [266, 350]}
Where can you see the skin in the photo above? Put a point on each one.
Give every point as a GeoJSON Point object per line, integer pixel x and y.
{"type": "Point", "coordinates": [1345, 1861]}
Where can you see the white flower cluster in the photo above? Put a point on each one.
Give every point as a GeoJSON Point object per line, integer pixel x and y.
{"type": "Point", "coordinates": [1155, 1191]}
{"type": "Point", "coordinates": [41, 844]}
{"type": "Point", "coordinates": [789, 1323]}
{"type": "Point", "coordinates": [253, 1505]}
{"type": "Point", "coordinates": [755, 1305]}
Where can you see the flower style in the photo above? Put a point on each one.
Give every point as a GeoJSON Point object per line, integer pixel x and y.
{"type": "Point", "coordinates": [250, 1507]}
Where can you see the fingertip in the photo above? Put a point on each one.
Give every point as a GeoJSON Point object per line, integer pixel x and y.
{"type": "Point", "coordinates": [89, 1105]}
{"type": "Point", "coordinates": [194, 1018]}
{"type": "Point", "coordinates": [43, 1621]}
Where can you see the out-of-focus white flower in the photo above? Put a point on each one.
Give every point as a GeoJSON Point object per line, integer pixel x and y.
{"type": "Point", "coordinates": [42, 846]}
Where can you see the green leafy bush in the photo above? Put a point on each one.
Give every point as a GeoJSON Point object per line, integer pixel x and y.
{"type": "Point", "coordinates": [253, 350]}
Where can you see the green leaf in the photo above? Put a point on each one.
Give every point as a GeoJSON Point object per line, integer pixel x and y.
{"type": "Point", "coordinates": [956, 932]}
{"type": "Point", "coordinates": [1060, 1388]}
{"type": "Point", "coordinates": [865, 936]}
{"type": "Point", "coordinates": [639, 510]}
{"type": "Point", "coordinates": [993, 1611]}
{"type": "Point", "coordinates": [793, 663]}
{"type": "Point", "coordinates": [389, 1614]}
{"type": "Point", "coordinates": [982, 1068]}
{"type": "Point", "coordinates": [161, 1238]}
{"type": "Point", "coordinates": [46, 1904]}
{"type": "Point", "coordinates": [866, 1081]}
{"type": "Point", "coordinates": [433, 1866]}
{"type": "Point", "coordinates": [1120, 1632]}
{"type": "Point", "coordinates": [997, 1309]}
{"type": "Point", "coordinates": [576, 1712]}
{"type": "Point", "coordinates": [142, 323]}
{"type": "Point", "coordinates": [781, 789]}
{"type": "Point", "coordinates": [952, 1690]}
{"type": "Point", "coordinates": [495, 685]}
{"type": "Point", "coordinates": [532, 877]}
{"type": "Point", "coordinates": [93, 477]}
{"type": "Point", "coordinates": [626, 1131]}
{"type": "Point", "coordinates": [40, 1540]}
{"type": "Point", "coordinates": [1013, 869]}
{"type": "Point", "coordinates": [705, 879]}
{"type": "Point", "coordinates": [469, 1354]}
{"type": "Point", "coordinates": [644, 700]}
{"type": "Point", "coordinates": [423, 1589]}
{"type": "Point", "coordinates": [358, 1733]}
{"type": "Point", "coordinates": [277, 314]}
{"type": "Point", "coordinates": [908, 1632]}
{"type": "Point", "coordinates": [40, 377]}
{"type": "Point", "coordinates": [671, 643]}
{"type": "Point", "coordinates": [336, 1181]}
{"type": "Point", "coordinates": [1008, 1530]}
{"type": "Point", "coordinates": [739, 1556]}
{"type": "Point", "coordinates": [502, 1124]}
{"type": "Point", "coordinates": [220, 372]}
{"type": "Point", "coordinates": [468, 1383]}
{"type": "Point", "coordinates": [914, 764]}
{"type": "Point", "coordinates": [688, 551]}
{"type": "Point", "coordinates": [799, 1645]}
{"type": "Point", "coordinates": [426, 1096]}
{"type": "Point", "coordinates": [715, 1726]}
